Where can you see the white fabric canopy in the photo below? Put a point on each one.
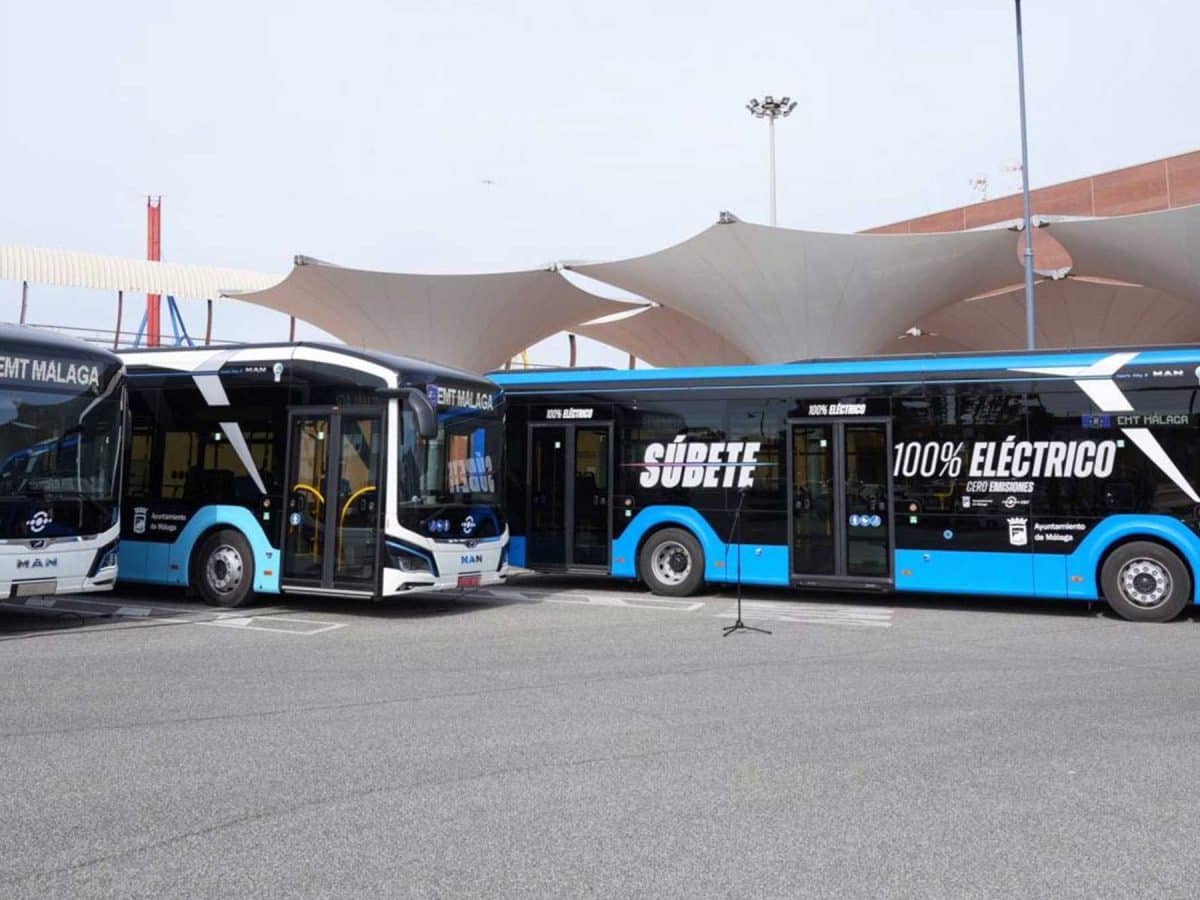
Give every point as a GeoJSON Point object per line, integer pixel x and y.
{"type": "Point", "coordinates": [776, 294]}
{"type": "Point", "coordinates": [473, 322]}
{"type": "Point", "coordinates": [734, 293]}
{"type": "Point", "coordinates": [1157, 249]}
{"type": "Point", "coordinates": [72, 268]}
{"type": "Point", "coordinates": [665, 337]}
{"type": "Point", "coordinates": [1073, 312]}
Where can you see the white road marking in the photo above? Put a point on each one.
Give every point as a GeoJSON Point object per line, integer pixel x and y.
{"type": "Point", "coordinates": [94, 600]}
{"type": "Point", "coordinates": [273, 624]}
{"type": "Point", "coordinates": [137, 611]}
{"type": "Point", "coordinates": [41, 602]}
{"type": "Point", "coordinates": [813, 614]}
{"type": "Point", "coordinates": [619, 602]}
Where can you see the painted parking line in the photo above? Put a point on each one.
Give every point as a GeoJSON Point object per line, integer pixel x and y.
{"type": "Point", "coordinates": [616, 601]}
{"type": "Point", "coordinates": [275, 624]}
{"type": "Point", "coordinates": [611, 600]}
{"type": "Point", "coordinates": [109, 607]}
{"type": "Point", "coordinates": [153, 615]}
{"type": "Point", "coordinates": [813, 614]}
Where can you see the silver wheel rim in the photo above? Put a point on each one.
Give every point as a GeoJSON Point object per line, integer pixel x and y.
{"type": "Point", "coordinates": [1145, 582]}
{"type": "Point", "coordinates": [224, 569]}
{"type": "Point", "coordinates": [671, 563]}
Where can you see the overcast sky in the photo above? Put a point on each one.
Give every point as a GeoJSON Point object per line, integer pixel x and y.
{"type": "Point", "coordinates": [430, 137]}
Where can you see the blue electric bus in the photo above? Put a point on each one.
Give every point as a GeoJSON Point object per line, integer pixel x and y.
{"type": "Point", "coordinates": [62, 421]}
{"type": "Point", "coordinates": [1049, 474]}
{"type": "Point", "coordinates": [310, 469]}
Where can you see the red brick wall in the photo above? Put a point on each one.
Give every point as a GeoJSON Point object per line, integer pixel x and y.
{"type": "Point", "coordinates": [1162, 184]}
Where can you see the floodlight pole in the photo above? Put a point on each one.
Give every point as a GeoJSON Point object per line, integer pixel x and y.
{"type": "Point", "coordinates": [1030, 299]}
{"type": "Point", "coordinates": [771, 109]}
{"type": "Point", "coordinates": [771, 130]}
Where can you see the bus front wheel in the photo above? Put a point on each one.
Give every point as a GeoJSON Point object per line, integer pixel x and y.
{"type": "Point", "coordinates": [223, 572]}
{"type": "Point", "coordinates": [1145, 582]}
{"type": "Point", "coordinates": [672, 563]}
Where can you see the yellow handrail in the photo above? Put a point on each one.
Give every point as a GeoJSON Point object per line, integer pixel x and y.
{"type": "Point", "coordinates": [320, 499]}
{"type": "Point", "coordinates": [310, 489]}
{"type": "Point", "coordinates": [342, 517]}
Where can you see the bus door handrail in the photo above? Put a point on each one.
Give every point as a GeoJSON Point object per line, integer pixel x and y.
{"type": "Point", "coordinates": [342, 518]}
{"type": "Point", "coordinates": [300, 486]}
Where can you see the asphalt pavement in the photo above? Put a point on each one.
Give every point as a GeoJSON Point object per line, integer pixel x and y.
{"type": "Point", "coordinates": [566, 737]}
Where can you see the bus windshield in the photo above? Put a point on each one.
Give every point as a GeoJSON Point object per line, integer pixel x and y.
{"type": "Point", "coordinates": [460, 465]}
{"type": "Point", "coordinates": [60, 459]}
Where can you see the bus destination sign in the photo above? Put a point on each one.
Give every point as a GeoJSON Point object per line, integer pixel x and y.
{"type": "Point", "coordinates": [49, 371]}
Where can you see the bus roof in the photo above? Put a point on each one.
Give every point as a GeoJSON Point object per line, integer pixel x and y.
{"type": "Point", "coordinates": [415, 371]}
{"type": "Point", "coordinates": [942, 366]}
{"type": "Point", "coordinates": [50, 343]}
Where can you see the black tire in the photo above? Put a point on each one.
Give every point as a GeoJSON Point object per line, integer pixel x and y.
{"type": "Point", "coordinates": [672, 563]}
{"type": "Point", "coordinates": [1145, 582]}
{"type": "Point", "coordinates": [223, 569]}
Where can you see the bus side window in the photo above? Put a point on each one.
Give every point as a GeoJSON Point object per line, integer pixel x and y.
{"type": "Point", "coordinates": [141, 448]}
{"type": "Point", "coordinates": [178, 459]}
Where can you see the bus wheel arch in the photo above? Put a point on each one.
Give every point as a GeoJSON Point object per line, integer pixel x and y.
{"type": "Point", "coordinates": [221, 567]}
{"type": "Point", "coordinates": [671, 560]}
{"type": "Point", "coordinates": [1145, 578]}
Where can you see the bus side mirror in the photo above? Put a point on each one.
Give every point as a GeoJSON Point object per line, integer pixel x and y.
{"type": "Point", "coordinates": [427, 424]}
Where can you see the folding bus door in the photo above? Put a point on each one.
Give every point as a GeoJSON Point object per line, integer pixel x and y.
{"type": "Point", "coordinates": [839, 477]}
{"type": "Point", "coordinates": [570, 497]}
{"type": "Point", "coordinates": [333, 526]}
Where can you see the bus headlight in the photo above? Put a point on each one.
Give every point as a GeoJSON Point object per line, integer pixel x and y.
{"type": "Point", "coordinates": [407, 560]}
{"type": "Point", "coordinates": [106, 558]}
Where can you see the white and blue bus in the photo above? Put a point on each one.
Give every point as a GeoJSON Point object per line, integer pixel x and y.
{"type": "Point", "coordinates": [62, 415]}
{"type": "Point", "coordinates": [310, 469]}
{"type": "Point", "coordinates": [1045, 474]}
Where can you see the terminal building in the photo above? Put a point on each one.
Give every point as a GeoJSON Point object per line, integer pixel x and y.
{"type": "Point", "coordinates": [1117, 257]}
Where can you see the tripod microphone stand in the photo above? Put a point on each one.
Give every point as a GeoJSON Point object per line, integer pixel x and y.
{"type": "Point", "coordinates": [734, 534]}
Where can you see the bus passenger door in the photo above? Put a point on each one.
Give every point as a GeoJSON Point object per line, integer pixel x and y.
{"type": "Point", "coordinates": [570, 497]}
{"type": "Point", "coordinates": [305, 535]}
{"type": "Point", "coordinates": [355, 544]}
{"type": "Point", "coordinates": [331, 534]}
{"type": "Point", "coordinates": [592, 470]}
{"type": "Point", "coordinates": [840, 500]}
{"type": "Point", "coordinates": [547, 539]}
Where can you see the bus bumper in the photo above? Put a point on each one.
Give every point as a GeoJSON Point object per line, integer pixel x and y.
{"type": "Point", "coordinates": [398, 582]}
{"type": "Point", "coordinates": [62, 567]}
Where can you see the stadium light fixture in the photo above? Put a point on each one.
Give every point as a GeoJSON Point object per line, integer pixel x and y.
{"type": "Point", "coordinates": [771, 109]}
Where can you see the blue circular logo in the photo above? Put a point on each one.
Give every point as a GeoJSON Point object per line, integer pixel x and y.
{"type": "Point", "coordinates": [948, 534]}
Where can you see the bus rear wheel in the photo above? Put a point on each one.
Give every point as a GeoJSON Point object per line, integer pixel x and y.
{"type": "Point", "coordinates": [223, 571]}
{"type": "Point", "coordinates": [1145, 582]}
{"type": "Point", "coordinates": [672, 563]}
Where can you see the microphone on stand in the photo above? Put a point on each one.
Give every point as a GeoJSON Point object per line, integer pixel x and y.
{"type": "Point", "coordinates": [734, 534]}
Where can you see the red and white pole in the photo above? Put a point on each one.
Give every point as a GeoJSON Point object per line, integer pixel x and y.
{"type": "Point", "coordinates": [153, 252]}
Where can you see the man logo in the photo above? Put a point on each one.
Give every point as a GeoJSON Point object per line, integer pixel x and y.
{"type": "Point", "coordinates": [48, 562]}
{"type": "Point", "coordinates": [470, 559]}
{"type": "Point", "coordinates": [40, 520]}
